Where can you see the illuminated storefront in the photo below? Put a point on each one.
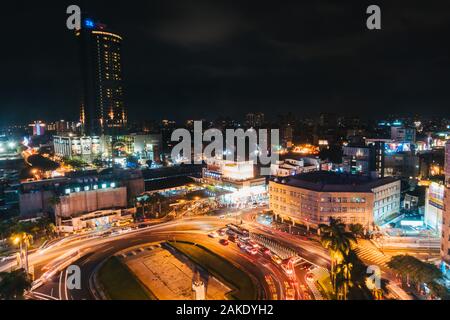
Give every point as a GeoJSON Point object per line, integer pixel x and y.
{"type": "Point", "coordinates": [238, 178]}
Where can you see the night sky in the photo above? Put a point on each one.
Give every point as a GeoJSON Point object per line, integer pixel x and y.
{"type": "Point", "coordinates": [203, 59]}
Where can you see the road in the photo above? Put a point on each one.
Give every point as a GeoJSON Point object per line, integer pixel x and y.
{"type": "Point", "coordinates": [88, 252]}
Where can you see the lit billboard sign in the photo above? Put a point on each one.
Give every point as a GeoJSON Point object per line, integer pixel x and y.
{"type": "Point", "coordinates": [436, 195]}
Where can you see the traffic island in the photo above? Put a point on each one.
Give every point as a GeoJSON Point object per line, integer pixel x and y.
{"type": "Point", "coordinates": [170, 275]}
{"type": "Point", "coordinates": [243, 286]}
{"type": "Point", "coordinates": [119, 283]}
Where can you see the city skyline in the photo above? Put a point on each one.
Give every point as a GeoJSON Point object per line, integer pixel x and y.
{"type": "Point", "coordinates": [248, 152]}
{"type": "Point", "coordinates": [188, 62]}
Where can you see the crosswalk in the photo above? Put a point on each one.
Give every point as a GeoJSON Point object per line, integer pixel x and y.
{"type": "Point", "coordinates": [368, 253]}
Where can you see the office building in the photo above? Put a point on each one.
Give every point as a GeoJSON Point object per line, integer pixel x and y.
{"type": "Point", "coordinates": [38, 128]}
{"type": "Point", "coordinates": [255, 120]}
{"type": "Point", "coordinates": [402, 134]}
{"type": "Point", "coordinates": [103, 110]}
{"type": "Point", "coordinates": [86, 148]}
{"type": "Point", "coordinates": [312, 199]}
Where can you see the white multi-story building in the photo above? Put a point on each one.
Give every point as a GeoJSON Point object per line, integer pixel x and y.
{"type": "Point", "coordinates": [312, 199]}
{"type": "Point", "coordinates": [434, 206]}
{"type": "Point", "coordinates": [75, 146]}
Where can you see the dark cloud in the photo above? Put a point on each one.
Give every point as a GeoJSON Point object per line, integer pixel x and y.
{"type": "Point", "coordinates": [206, 58]}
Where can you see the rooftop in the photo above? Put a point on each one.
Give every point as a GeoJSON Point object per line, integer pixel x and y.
{"type": "Point", "coordinates": [325, 181]}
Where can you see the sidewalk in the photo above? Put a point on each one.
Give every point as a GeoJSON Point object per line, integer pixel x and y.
{"type": "Point", "coordinates": [321, 275]}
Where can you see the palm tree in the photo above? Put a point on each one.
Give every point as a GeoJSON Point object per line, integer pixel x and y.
{"type": "Point", "coordinates": [14, 284]}
{"type": "Point", "coordinates": [357, 229]}
{"type": "Point", "coordinates": [140, 204]}
{"type": "Point", "coordinates": [55, 202]}
{"type": "Point", "coordinates": [339, 243]}
{"type": "Point", "coordinates": [147, 203]}
{"type": "Point", "coordinates": [23, 239]}
{"type": "Point", "coordinates": [344, 278]}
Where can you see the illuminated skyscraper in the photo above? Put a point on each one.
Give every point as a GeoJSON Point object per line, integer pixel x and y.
{"type": "Point", "coordinates": [103, 110]}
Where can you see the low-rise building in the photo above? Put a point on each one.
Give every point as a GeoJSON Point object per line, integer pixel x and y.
{"type": "Point", "coordinates": [292, 167]}
{"type": "Point", "coordinates": [238, 178]}
{"type": "Point", "coordinates": [312, 199]}
{"type": "Point", "coordinates": [80, 192]}
{"type": "Point", "coordinates": [93, 220]}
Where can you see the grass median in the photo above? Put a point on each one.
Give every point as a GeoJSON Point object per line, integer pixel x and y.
{"type": "Point", "coordinates": [241, 283]}
{"type": "Point", "coordinates": [120, 283]}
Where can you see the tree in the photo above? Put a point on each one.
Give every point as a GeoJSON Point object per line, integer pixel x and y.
{"type": "Point", "coordinates": [416, 271]}
{"type": "Point", "coordinates": [47, 228]}
{"type": "Point", "coordinates": [439, 290]}
{"type": "Point", "coordinates": [344, 277]}
{"type": "Point", "coordinates": [75, 163]}
{"type": "Point", "coordinates": [41, 163]}
{"type": "Point", "coordinates": [14, 284]}
{"type": "Point", "coordinates": [339, 242]}
{"type": "Point", "coordinates": [140, 204]}
{"type": "Point", "coordinates": [5, 229]}
{"type": "Point", "coordinates": [357, 229]}
{"type": "Point", "coordinates": [55, 202]}
{"type": "Point", "coordinates": [98, 162]}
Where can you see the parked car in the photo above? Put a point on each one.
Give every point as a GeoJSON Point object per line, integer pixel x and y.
{"type": "Point", "coordinates": [224, 242]}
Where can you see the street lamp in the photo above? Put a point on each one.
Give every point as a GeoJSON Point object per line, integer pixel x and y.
{"type": "Point", "coordinates": [19, 240]}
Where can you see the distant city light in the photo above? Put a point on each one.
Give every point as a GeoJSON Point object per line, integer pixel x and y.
{"type": "Point", "coordinates": [306, 149]}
